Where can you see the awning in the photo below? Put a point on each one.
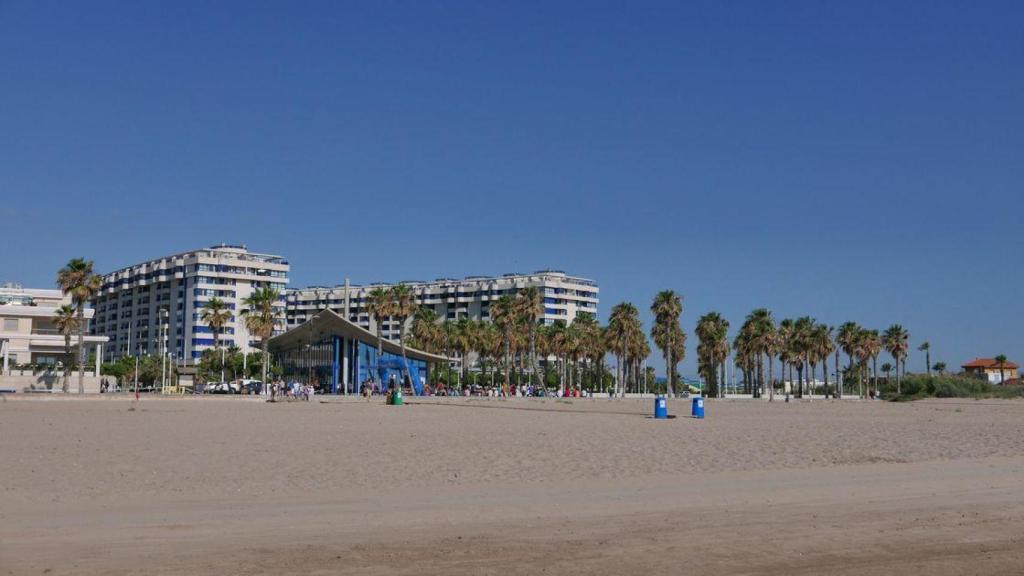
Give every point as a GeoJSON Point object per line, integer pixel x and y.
{"type": "Point", "coordinates": [329, 323]}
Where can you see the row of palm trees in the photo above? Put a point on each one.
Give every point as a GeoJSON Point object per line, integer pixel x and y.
{"type": "Point", "coordinates": [800, 345]}
{"type": "Point", "coordinates": [515, 337]}
{"type": "Point", "coordinates": [512, 336]}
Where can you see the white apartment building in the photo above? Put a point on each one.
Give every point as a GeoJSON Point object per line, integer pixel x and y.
{"type": "Point", "coordinates": [130, 306]}
{"type": "Point", "coordinates": [564, 297]}
{"type": "Point", "coordinates": [28, 335]}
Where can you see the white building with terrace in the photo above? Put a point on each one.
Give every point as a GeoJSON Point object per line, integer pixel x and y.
{"type": "Point", "coordinates": [32, 348]}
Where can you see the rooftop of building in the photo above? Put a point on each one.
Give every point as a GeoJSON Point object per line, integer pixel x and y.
{"type": "Point", "coordinates": [13, 294]}
{"type": "Point", "coordinates": [538, 275]}
{"type": "Point", "coordinates": [990, 363]}
{"type": "Point", "coordinates": [234, 251]}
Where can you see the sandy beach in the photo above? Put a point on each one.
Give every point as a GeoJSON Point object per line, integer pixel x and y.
{"type": "Point", "coordinates": [525, 486]}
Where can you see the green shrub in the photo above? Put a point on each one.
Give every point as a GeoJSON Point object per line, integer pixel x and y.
{"type": "Point", "coordinates": [916, 386]}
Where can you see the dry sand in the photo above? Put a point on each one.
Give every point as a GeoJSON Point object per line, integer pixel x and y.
{"type": "Point", "coordinates": [236, 486]}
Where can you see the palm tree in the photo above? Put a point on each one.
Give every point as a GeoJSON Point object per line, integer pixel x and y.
{"type": "Point", "coordinates": [822, 347]}
{"type": "Point", "coordinates": [639, 349]}
{"type": "Point", "coordinates": [836, 349]}
{"type": "Point", "coordinates": [378, 306]}
{"type": "Point", "coordinates": [927, 349]}
{"type": "Point", "coordinates": [624, 334]}
{"type": "Point", "coordinates": [425, 331]}
{"type": "Point", "coordinates": [668, 334]}
{"type": "Point", "coordinates": [531, 308]}
{"type": "Point", "coordinates": [557, 345]}
{"type": "Point", "coordinates": [587, 339]}
{"type": "Point", "coordinates": [873, 345]}
{"type": "Point", "coordinates": [713, 349]}
{"type": "Point", "coordinates": [1001, 361]}
{"type": "Point", "coordinates": [78, 280]}
{"type": "Point", "coordinates": [445, 342]}
{"type": "Point", "coordinates": [860, 351]}
{"type": "Point", "coordinates": [743, 345]}
{"type": "Point", "coordinates": [801, 348]}
{"type": "Point", "coordinates": [763, 343]}
{"type": "Point", "coordinates": [67, 324]}
{"type": "Point", "coordinates": [617, 336]}
{"type": "Point", "coordinates": [261, 314]}
{"type": "Point", "coordinates": [546, 348]}
{"type": "Point", "coordinates": [465, 339]}
{"type": "Point", "coordinates": [785, 347]}
{"type": "Point", "coordinates": [846, 337]}
{"type": "Point", "coordinates": [489, 345]}
{"type": "Point", "coordinates": [504, 314]}
{"type": "Point", "coordinates": [753, 341]}
{"type": "Point", "coordinates": [772, 341]}
{"type": "Point", "coordinates": [572, 348]}
{"type": "Point", "coordinates": [887, 368]}
{"type": "Point", "coordinates": [896, 341]}
{"type": "Point", "coordinates": [940, 367]}
{"type": "Point", "coordinates": [403, 307]}
{"type": "Point", "coordinates": [216, 314]}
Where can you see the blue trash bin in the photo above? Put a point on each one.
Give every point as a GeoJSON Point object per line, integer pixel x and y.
{"type": "Point", "coordinates": [698, 407]}
{"type": "Point", "coordinates": [660, 407]}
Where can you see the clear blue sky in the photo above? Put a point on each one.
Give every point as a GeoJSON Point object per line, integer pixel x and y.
{"type": "Point", "coordinates": [847, 160]}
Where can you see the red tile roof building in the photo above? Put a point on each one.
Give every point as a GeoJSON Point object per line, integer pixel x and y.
{"type": "Point", "coordinates": [992, 370]}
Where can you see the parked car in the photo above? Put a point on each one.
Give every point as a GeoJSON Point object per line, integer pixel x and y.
{"type": "Point", "coordinates": [222, 388]}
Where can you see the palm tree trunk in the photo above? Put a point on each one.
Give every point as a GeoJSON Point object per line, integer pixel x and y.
{"type": "Point", "coordinates": [809, 377]}
{"type": "Point", "coordinates": [791, 379]}
{"type": "Point", "coordinates": [668, 371]}
{"type": "Point", "coordinates": [874, 373]}
{"type": "Point", "coordinates": [217, 353]}
{"type": "Point", "coordinates": [824, 374]}
{"type": "Point", "coordinates": [405, 359]}
{"type": "Point", "coordinates": [81, 349]}
{"type": "Point", "coordinates": [69, 360]}
{"type": "Point", "coordinates": [380, 345]}
{"type": "Point", "coordinates": [534, 365]}
{"type": "Point", "coordinates": [800, 377]}
{"type": "Point", "coordinates": [839, 378]}
{"type": "Point", "coordinates": [899, 380]}
{"type": "Point", "coordinates": [771, 378]}
{"type": "Point", "coordinates": [758, 368]}
{"type": "Point", "coordinates": [860, 381]}
{"type": "Point", "coordinates": [508, 364]}
{"type": "Point", "coordinates": [812, 368]}
{"type": "Point", "coordinates": [265, 345]}
{"type": "Point", "coordinates": [619, 387]}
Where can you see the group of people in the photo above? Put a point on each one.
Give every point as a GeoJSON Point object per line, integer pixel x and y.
{"type": "Point", "coordinates": [299, 390]}
{"type": "Point", "coordinates": [512, 391]}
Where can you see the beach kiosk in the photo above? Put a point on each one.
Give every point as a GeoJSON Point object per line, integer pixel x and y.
{"type": "Point", "coordinates": [341, 356]}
